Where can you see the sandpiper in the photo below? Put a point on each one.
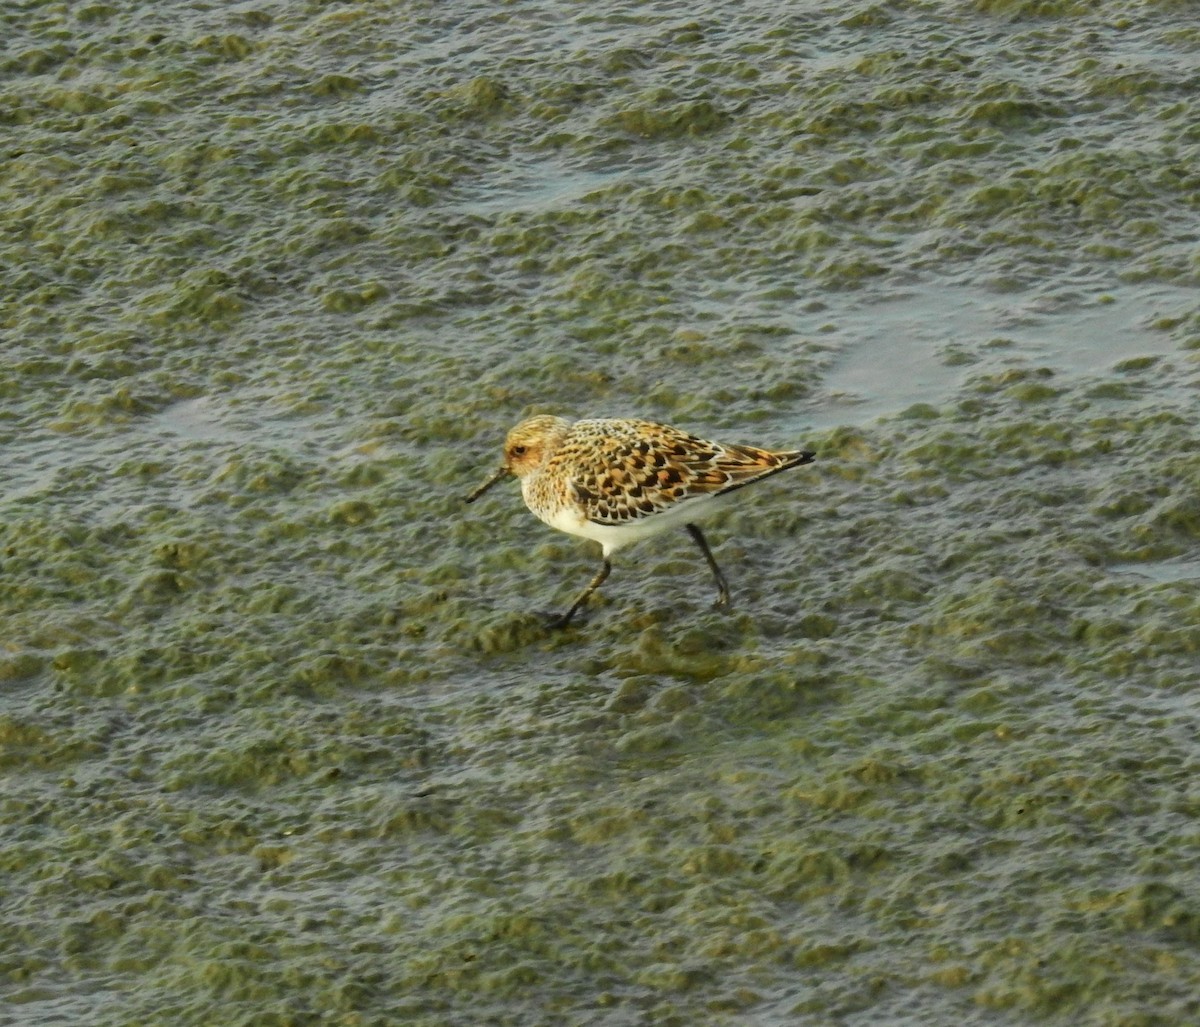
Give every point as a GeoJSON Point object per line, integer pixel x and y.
{"type": "Point", "coordinates": [617, 481]}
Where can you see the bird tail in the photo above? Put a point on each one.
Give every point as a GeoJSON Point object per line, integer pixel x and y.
{"type": "Point", "coordinates": [761, 463]}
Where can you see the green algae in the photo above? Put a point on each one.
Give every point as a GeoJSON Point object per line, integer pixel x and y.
{"type": "Point", "coordinates": [284, 738]}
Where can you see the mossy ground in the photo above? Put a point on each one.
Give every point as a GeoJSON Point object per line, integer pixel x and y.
{"type": "Point", "coordinates": [283, 739]}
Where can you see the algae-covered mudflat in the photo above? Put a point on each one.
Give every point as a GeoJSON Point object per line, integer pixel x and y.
{"type": "Point", "coordinates": [283, 740]}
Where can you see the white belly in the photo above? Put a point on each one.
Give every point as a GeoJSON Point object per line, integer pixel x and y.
{"type": "Point", "coordinates": [615, 536]}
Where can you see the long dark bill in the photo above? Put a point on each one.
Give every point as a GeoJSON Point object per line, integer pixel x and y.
{"type": "Point", "coordinates": [498, 476]}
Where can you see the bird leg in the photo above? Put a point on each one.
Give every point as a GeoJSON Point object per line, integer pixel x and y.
{"type": "Point", "coordinates": [722, 584]}
{"type": "Point", "coordinates": [595, 583]}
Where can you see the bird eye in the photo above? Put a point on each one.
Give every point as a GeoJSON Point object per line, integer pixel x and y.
{"type": "Point", "coordinates": [519, 450]}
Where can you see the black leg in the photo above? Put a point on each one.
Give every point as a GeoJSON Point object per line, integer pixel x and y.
{"type": "Point", "coordinates": [595, 583]}
{"type": "Point", "coordinates": [722, 585]}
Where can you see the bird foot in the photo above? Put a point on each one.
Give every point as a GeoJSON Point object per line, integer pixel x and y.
{"type": "Point", "coordinates": [556, 621]}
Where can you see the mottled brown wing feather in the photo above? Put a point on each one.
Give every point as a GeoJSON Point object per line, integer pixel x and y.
{"type": "Point", "coordinates": [744, 465]}
{"type": "Point", "coordinates": [626, 470]}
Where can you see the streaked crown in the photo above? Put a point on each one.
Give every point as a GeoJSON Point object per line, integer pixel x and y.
{"type": "Point", "coordinates": [532, 442]}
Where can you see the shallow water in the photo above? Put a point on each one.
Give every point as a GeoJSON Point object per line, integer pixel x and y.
{"type": "Point", "coordinates": [282, 739]}
{"type": "Point", "coordinates": [921, 346]}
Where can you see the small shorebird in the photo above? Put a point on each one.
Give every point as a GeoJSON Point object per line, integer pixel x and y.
{"type": "Point", "coordinates": [617, 481]}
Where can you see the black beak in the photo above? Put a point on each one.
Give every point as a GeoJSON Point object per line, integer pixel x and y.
{"type": "Point", "coordinates": [500, 474]}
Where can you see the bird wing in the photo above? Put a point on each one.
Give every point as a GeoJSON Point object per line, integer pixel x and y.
{"type": "Point", "coordinates": [622, 471]}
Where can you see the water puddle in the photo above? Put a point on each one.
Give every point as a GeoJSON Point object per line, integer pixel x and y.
{"type": "Point", "coordinates": [200, 419]}
{"type": "Point", "coordinates": [1161, 572]}
{"type": "Point", "coordinates": [538, 187]}
{"type": "Point", "coordinates": [922, 346]}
